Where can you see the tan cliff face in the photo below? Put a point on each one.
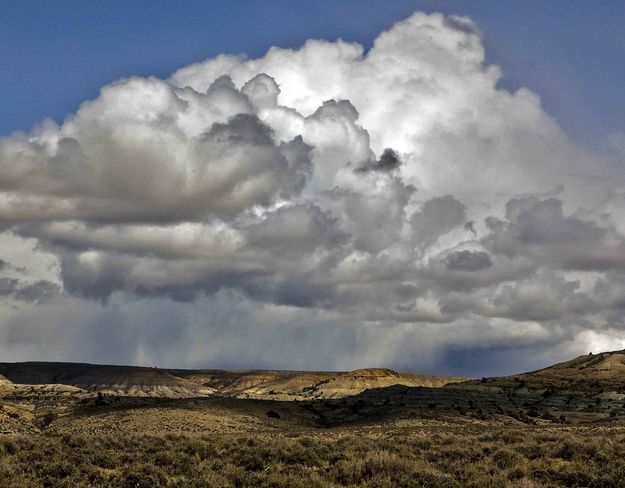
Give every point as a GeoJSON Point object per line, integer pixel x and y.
{"type": "Point", "coordinates": [276, 385]}
{"type": "Point", "coordinates": [113, 380]}
{"type": "Point", "coordinates": [354, 382]}
{"type": "Point", "coordinates": [300, 385]}
{"type": "Point", "coordinates": [602, 373]}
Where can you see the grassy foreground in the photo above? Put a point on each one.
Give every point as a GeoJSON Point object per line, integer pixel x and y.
{"type": "Point", "coordinates": [374, 456]}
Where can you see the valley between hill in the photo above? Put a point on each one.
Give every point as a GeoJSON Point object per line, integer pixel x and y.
{"type": "Point", "coordinates": [66, 424]}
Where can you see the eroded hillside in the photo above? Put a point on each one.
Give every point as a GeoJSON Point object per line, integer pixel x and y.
{"type": "Point", "coordinates": [602, 373]}
{"type": "Point", "coordinates": [154, 382]}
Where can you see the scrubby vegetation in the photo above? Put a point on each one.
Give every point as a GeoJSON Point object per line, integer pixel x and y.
{"type": "Point", "coordinates": [476, 457]}
{"type": "Point", "coordinates": [538, 430]}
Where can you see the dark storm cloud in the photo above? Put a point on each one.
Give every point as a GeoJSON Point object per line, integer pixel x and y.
{"type": "Point", "coordinates": [442, 277]}
{"type": "Point", "coordinates": [468, 260]}
{"type": "Point", "coordinates": [542, 298]}
{"type": "Point", "coordinates": [437, 217]}
{"type": "Point", "coordinates": [241, 129]}
{"type": "Point", "coordinates": [37, 292]}
{"type": "Point", "coordinates": [389, 161]}
{"type": "Point", "coordinates": [263, 257]}
{"type": "Point", "coordinates": [470, 226]}
{"type": "Point", "coordinates": [295, 231]}
{"type": "Point", "coordinates": [103, 273]}
{"type": "Point", "coordinates": [8, 286]}
{"type": "Point", "coordinates": [540, 230]}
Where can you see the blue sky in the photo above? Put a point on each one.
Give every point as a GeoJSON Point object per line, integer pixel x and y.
{"type": "Point", "coordinates": [55, 55]}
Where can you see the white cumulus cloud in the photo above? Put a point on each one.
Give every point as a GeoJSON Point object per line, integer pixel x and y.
{"type": "Point", "coordinates": [376, 206]}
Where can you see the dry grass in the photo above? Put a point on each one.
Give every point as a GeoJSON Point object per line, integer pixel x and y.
{"type": "Point", "coordinates": [398, 456]}
{"type": "Point", "coordinates": [458, 436]}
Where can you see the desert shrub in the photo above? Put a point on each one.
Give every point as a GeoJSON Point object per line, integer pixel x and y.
{"type": "Point", "coordinates": [74, 441]}
{"type": "Point", "coordinates": [504, 458]}
{"type": "Point", "coordinates": [421, 443]}
{"type": "Point", "coordinates": [428, 478]}
{"type": "Point", "coordinates": [296, 454]}
{"type": "Point", "coordinates": [510, 436]}
{"type": "Point", "coordinates": [9, 446]}
{"type": "Point", "coordinates": [570, 475]}
{"type": "Point", "coordinates": [143, 476]}
{"type": "Point", "coordinates": [47, 419]}
{"type": "Point", "coordinates": [531, 451]}
{"type": "Point", "coordinates": [272, 414]}
{"type": "Point", "coordinates": [200, 449]}
{"type": "Point", "coordinates": [348, 472]}
{"type": "Point", "coordinates": [59, 469]}
{"type": "Point", "coordinates": [566, 450]}
{"type": "Point", "coordinates": [459, 455]}
{"type": "Point", "coordinates": [516, 473]}
{"type": "Point", "coordinates": [102, 459]}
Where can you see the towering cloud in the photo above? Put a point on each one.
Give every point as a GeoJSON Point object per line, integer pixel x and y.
{"type": "Point", "coordinates": [358, 208]}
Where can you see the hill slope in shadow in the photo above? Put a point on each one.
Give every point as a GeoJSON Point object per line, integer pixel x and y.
{"type": "Point", "coordinates": [591, 373]}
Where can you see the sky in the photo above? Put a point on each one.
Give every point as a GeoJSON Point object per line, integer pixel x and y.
{"type": "Point", "coordinates": [429, 186]}
{"type": "Point", "coordinates": [61, 53]}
